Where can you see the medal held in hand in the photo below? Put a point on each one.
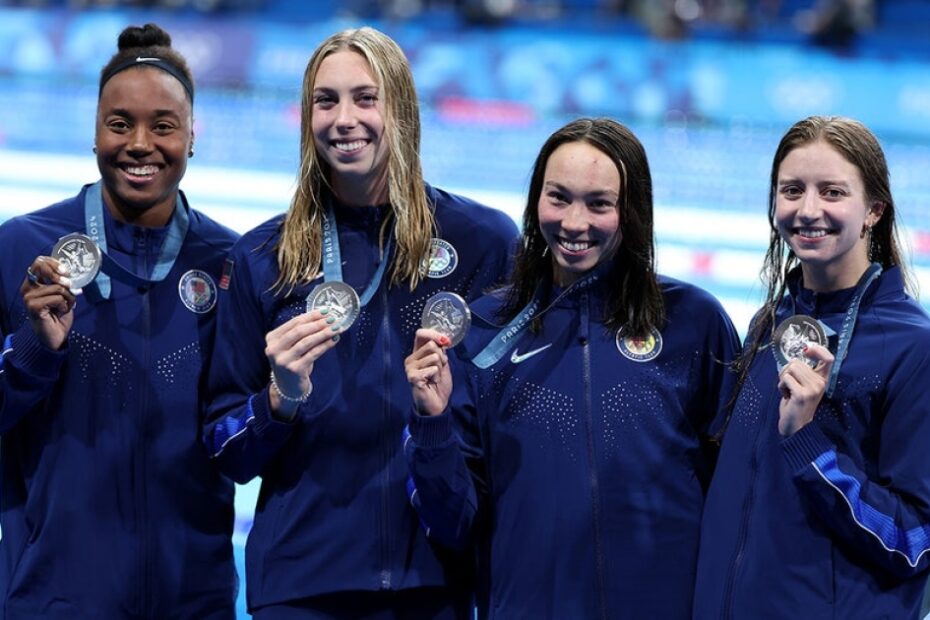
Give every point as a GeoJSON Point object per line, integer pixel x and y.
{"type": "Point", "coordinates": [793, 336]}
{"type": "Point", "coordinates": [81, 256]}
{"type": "Point", "coordinates": [448, 314]}
{"type": "Point", "coordinates": [341, 300]}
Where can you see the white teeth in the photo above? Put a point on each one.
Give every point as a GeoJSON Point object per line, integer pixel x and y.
{"type": "Point", "coordinates": [142, 171]}
{"type": "Point", "coordinates": [349, 146]}
{"type": "Point", "coordinates": [812, 233]}
{"type": "Point", "coordinates": [575, 246]}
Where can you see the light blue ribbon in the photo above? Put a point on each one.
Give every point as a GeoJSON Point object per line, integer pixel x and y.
{"type": "Point", "coordinates": [95, 228]}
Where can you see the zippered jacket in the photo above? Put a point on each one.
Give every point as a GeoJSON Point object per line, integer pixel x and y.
{"type": "Point", "coordinates": [332, 512]}
{"type": "Point", "coordinates": [833, 521]}
{"type": "Point", "coordinates": [575, 464]}
{"type": "Point", "coordinates": [109, 504]}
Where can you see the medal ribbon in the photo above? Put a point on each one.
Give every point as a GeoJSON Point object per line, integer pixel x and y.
{"type": "Point", "coordinates": [95, 228]}
{"type": "Point", "coordinates": [501, 344]}
{"type": "Point", "coordinates": [849, 323]}
{"type": "Point", "coordinates": [332, 257]}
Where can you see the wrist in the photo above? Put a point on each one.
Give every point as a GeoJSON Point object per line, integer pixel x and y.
{"type": "Point", "coordinates": [287, 397]}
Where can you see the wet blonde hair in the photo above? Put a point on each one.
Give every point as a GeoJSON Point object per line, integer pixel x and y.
{"type": "Point", "coordinates": [299, 249]}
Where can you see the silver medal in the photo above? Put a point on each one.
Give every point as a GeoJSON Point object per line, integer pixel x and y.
{"type": "Point", "coordinates": [448, 314]}
{"type": "Point", "coordinates": [341, 300]}
{"type": "Point", "coordinates": [793, 336]}
{"type": "Point", "coordinates": [80, 256]}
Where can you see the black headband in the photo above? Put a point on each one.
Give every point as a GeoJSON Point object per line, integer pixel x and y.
{"type": "Point", "coordinates": [151, 61]}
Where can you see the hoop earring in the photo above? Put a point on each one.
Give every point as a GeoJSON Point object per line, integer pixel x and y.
{"type": "Point", "coordinates": [190, 153]}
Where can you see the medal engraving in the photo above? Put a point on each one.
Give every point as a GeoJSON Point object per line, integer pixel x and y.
{"type": "Point", "coordinates": [341, 300]}
{"type": "Point", "coordinates": [81, 256]}
{"type": "Point", "coordinates": [793, 336]}
{"type": "Point", "coordinates": [448, 314]}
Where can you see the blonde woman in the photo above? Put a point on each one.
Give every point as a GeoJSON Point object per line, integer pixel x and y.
{"type": "Point", "coordinates": [314, 403]}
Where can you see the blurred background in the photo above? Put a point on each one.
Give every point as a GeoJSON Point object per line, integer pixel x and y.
{"type": "Point", "coordinates": [709, 86]}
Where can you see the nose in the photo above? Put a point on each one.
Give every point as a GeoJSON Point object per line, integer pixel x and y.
{"type": "Point", "coordinates": [809, 209]}
{"type": "Point", "coordinates": [140, 140]}
{"type": "Point", "coordinates": [575, 218]}
{"type": "Point", "coordinates": [345, 115]}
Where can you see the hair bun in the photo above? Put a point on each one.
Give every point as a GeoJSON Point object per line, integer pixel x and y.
{"type": "Point", "coordinates": [149, 35]}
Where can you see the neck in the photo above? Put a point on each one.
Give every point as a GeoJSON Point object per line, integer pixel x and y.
{"type": "Point", "coordinates": [361, 193]}
{"type": "Point", "coordinates": [155, 216]}
{"type": "Point", "coordinates": [823, 279]}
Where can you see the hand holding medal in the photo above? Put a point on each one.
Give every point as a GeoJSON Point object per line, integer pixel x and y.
{"type": "Point", "coordinates": [444, 323]}
{"type": "Point", "coordinates": [800, 339]}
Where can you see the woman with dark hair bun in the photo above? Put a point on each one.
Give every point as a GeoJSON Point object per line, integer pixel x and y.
{"type": "Point", "coordinates": [820, 504]}
{"type": "Point", "coordinates": [109, 505]}
{"type": "Point", "coordinates": [572, 451]}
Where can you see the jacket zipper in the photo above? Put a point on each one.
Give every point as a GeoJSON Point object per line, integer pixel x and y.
{"type": "Point", "coordinates": [386, 447]}
{"type": "Point", "coordinates": [143, 408]}
{"type": "Point", "coordinates": [592, 458]}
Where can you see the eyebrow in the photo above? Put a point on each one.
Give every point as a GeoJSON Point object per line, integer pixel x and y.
{"type": "Point", "coordinates": [354, 89]}
{"type": "Point", "coordinates": [822, 183]}
{"type": "Point", "coordinates": [159, 113]}
{"type": "Point", "coordinates": [597, 192]}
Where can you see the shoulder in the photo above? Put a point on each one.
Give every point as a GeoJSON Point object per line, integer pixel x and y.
{"type": "Point", "coordinates": [43, 227]}
{"type": "Point", "coordinates": [680, 294]}
{"type": "Point", "coordinates": [260, 240]}
{"type": "Point", "coordinates": [465, 217]}
{"type": "Point", "coordinates": [211, 232]}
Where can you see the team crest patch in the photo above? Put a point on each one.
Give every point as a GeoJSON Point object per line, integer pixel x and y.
{"type": "Point", "coordinates": [640, 349]}
{"type": "Point", "coordinates": [443, 259]}
{"type": "Point", "coordinates": [197, 291]}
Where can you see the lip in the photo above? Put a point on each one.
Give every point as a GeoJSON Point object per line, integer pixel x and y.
{"type": "Point", "coordinates": [139, 173]}
{"type": "Point", "coordinates": [811, 234]}
{"type": "Point", "coordinates": [588, 246]}
{"type": "Point", "coordinates": [356, 146]}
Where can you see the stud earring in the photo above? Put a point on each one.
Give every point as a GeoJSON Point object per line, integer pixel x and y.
{"type": "Point", "coordinates": [94, 150]}
{"type": "Point", "coordinates": [190, 153]}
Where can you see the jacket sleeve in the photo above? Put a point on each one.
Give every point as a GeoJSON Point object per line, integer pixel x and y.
{"type": "Point", "coordinates": [499, 238]}
{"type": "Point", "coordinates": [882, 514]}
{"type": "Point", "coordinates": [28, 369]}
{"type": "Point", "coordinates": [445, 460]}
{"type": "Point", "coordinates": [240, 433]}
{"type": "Point", "coordinates": [28, 374]}
{"type": "Point", "coordinates": [721, 346]}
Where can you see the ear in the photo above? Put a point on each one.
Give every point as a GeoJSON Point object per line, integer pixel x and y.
{"type": "Point", "coordinates": [875, 213]}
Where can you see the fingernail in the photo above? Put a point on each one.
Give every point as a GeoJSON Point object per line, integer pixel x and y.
{"type": "Point", "coordinates": [336, 338]}
{"type": "Point", "coordinates": [335, 328]}
{"type": "Point", "coordinates": [331, 320]}
{"type": "Point", "coordinates": [444, 341]}
{"type": "Point", "coordinates": [77, 291]}
{"type": "Point", "coordinates": [324, 310]}
{"type": "Point", "coordinates": [66, 282]}
{"type": "Point", "coordinates": [805, 348]}
{"type": "Point", "coordinates": [62, 269]}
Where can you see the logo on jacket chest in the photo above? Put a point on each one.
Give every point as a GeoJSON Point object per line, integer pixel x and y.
{"type": "Point", "coordinates": [640, 349]}
{"type": "Point", "coordinates": [442, 260]}
{"type": "Point", "coordinates": [197, 291]}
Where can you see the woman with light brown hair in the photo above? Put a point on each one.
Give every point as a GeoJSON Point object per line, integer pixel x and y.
{"type": "Point", "coordinates": [318, 312]}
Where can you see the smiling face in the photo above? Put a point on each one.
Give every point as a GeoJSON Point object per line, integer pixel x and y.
{"type": "Point", "coordinates": [349, 128]}
{"type": "Point", "coordinates": [143, 134]}
{"type": "Point", "coordinates": [821, 210]}
{"type": "Point", "coordinates": [578, 210]}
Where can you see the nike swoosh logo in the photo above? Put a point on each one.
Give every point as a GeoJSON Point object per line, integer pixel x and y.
{"type": "Point", "coordinates": [516, 358]}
